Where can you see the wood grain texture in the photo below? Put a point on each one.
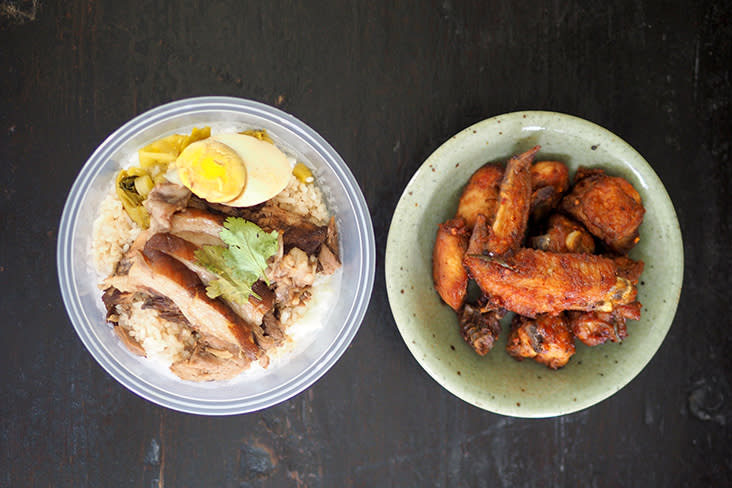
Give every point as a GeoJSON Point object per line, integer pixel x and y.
{"type": "Point", "coordinates": [385, 83]}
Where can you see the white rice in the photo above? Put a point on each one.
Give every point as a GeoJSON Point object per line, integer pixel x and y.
{"type": "Point", "coordinates": [112, 234]}
{"type": "Point", "coordinates": [162, 340]}
{"type": "Point", "coordinates": [303, 199]}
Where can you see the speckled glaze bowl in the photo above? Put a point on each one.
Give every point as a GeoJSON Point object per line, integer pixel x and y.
{"type": "Point", "coordinates": [497, 382]}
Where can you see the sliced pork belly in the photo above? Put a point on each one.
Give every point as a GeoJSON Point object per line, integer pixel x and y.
{"type": "Point", "coordinates": [163, 201]}
{"type": "Point", "coordinates": [209, 364]}
{"type": "Point", "coordinates": [252, 311]}
{"type": "Point", "coordinates": [198, 221]}
{"type": "Point", "coordinates": [184, 252]}
{"type": "Point", "coordinates": [163, 275]}
{"type": "Point", "coordinates": [297, 231]}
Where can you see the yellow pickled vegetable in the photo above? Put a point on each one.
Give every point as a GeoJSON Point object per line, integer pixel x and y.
{"type": "Point", "coordinates": [260, 134]}
{"type": "Point", "coordinates": [144, 185]}
{"type": "Point", "coordinates": [303, 173]}
{"type": "Point", "coordinates": [166, 150]}
{"type": "Point", "coordinates": [131, 198]}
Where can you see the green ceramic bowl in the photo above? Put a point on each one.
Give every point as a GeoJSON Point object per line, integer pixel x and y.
{"type": "Point", "coordinates": [497, 382]}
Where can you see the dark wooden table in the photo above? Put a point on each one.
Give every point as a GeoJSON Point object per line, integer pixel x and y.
{"type": "Point", "coordinates": [385, 83]}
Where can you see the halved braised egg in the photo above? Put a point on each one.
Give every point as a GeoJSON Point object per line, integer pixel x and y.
{"type": "Point", "coordinates": [212, 170]}
{"type": "Point", "coordinates": [234, 169]}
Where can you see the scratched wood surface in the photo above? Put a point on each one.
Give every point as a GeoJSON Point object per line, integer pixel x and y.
{"type": "Point", "coordinates": [385, 83]}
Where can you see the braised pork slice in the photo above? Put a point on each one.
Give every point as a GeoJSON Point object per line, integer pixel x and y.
{"type": "Point", "coordinates": [331, 239]}
{"type": "Point", "coordinates": [166, 309]}
{"type": "Point", "coordinates": [164, 200]}
{"type": "Point", "coordinates": [252, 311]}
{"type": "Point", "coordinates": [184, 251]}
{"type": "Point", "coordinates": [156, 272]}
{"type": "Point", "coordinates": [197, 221]}
{"type": "Point", "coordinates": [273, 328]}
{"type": "Point", "coordinates": [207, 363]}
{"type": "Point", "coordinates": [292, 277]}
{"type": "Point", "coordinates": [297, 231]}
{"type": "Point", "coordinates": [180, 249]}
{"type": "Point", "coordinates": [328, 261]}
{"type": "Point", "coordinates": [328, 256]}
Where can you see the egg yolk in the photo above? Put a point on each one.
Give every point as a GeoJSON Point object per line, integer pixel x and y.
{"type": "Point", "coordinates": [212, 170]}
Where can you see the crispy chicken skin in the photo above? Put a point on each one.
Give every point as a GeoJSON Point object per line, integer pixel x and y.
{"type": "Point", "coordinates": [595, 328]}
{"type": "Point", "coordinates": [450, 278]}
{"type": "Point", "coordinates": [546, 339]}
{"type": "Point", "coordinates": [479, 329]}
{"type": "Point", "coordinates": [608, 206]}
{"type": "Point", "coordinates": [564, 235]}
{"type": "Point", "coordinates": [532, 282]}
{"type": "Point", "coordinates": [512, 215]}
{"type": "Point", "coordinates": [549, 181]}
{"type": "Point", "coordinates": [480, 195]}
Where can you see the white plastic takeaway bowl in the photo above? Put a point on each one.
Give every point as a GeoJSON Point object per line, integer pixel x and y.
{"type": "Point", "coordinates": [248, 392]}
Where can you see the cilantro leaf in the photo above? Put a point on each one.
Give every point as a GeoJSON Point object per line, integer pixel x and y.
{"type": "Point", "coordinates": [242, 263]}
{"type": "Point", "coordinates": [249, 245]}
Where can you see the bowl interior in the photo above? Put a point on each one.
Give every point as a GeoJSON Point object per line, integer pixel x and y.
{"type": "Point", "coordinates": [497, 382]}
{"type": "Point", "coordinates": [258, 389]}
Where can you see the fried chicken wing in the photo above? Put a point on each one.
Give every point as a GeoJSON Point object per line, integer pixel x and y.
{"type": "Point", "coordinates": [480, 195]}
{"type": "Point", "coordinates": [448, 273]}
{"type": "Point", "coordinates": [564, 235]}
{"type": "Point", "coordinates": [479, 329]}
{"type": "Point", "coordinates": [549, 181]}
{"type": "Point", "coordinates": [478, 243]}
{"type": "Point", "coordinates": [608, 206]}
{"type": "Point", "coordinates": [512, 214]}
{"type": "Point", "coordinates": [629, 269]}
{"type": "Point", "coordinates": [594, 328]}
{"type": "Point", "coordinates": [546, 339]}
{"type": "Point", "coordinates": [532, 282]}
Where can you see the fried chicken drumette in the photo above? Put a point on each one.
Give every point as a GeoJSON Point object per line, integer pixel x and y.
{"type": "Point", "coordinates": [480, 196]}
{"type": "Point", "coordinates": [608, 206]}
{"type": "Point", "coordinates": [564, 235]}
{"type": "Point", "coordinates": [448, 273]}
{"type": "Point", "coordinates": [545, 339]}
{"type": "Point", "coordinates": [549, 181]}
